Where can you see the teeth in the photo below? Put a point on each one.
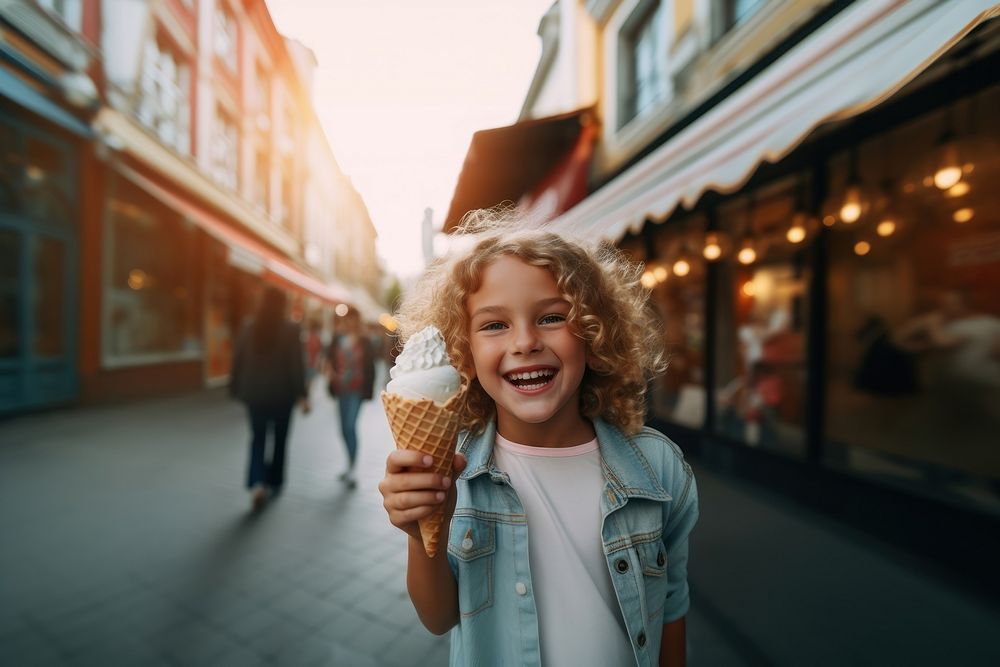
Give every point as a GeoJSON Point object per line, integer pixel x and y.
{"type": "Point", "coordinates": [531, 375]}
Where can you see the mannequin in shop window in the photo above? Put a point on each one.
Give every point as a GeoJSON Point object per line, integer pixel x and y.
{"type": "Point", "coordinates": [269, 377]}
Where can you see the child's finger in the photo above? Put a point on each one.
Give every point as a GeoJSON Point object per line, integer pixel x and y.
{"type": "Point", "coordinates": [400, 459]}
{"type": "Point", "coordinates": [415, 481]}
{"type": "Point", "coordinates": [401, 518]}
{"type": "Point", "coordinates": [410, 499]}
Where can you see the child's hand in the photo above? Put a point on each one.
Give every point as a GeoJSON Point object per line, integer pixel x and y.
{"type": "Point", "coordinates": [410, 492]}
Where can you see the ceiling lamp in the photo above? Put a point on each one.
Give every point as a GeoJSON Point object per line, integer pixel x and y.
{"type": "Point", "coordinates": [948, 171]}
{"type": "Point", "coordinates": [682, 267]}
{"type": "Point", "coordinates": [747, 255]}
{"type": "Point", "coordinates": [797, 232]}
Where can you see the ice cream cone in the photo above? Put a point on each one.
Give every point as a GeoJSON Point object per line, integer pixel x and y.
{"type": "Point", "coordinates": [432, 429]}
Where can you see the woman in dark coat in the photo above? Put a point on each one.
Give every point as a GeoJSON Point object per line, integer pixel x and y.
{"type": "Point", "coordinates": [269, 377]}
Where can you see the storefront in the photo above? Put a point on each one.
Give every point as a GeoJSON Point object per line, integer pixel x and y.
{"type": "Point", "coordinates": [824, 247]}
{"type": "Point", "coordinates": [39, 230]}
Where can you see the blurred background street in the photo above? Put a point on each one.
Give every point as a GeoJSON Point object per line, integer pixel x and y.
{"type": "Point", "coordinates": [135, 545]}
{"type": "Point", "coordinates": [809, 187]}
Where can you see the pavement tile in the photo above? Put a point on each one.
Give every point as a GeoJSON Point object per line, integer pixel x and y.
{"type": "Point", "coordinates": [274, 639]}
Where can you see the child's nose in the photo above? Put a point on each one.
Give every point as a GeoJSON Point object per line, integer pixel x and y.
{"type": "Point", "coordinates": [526, 340]}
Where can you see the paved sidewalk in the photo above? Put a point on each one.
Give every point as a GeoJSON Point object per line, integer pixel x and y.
{"type": "Point", "coordinates": [127, 540]}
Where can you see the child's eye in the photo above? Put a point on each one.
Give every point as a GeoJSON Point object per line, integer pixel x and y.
{"type": "Point", "coordinates": [553, 318]}
{"type": "Point", "coordinates": [492, 326]}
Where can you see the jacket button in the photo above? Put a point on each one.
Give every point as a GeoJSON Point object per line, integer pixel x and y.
{"type": "Point", "coordinates": [660, 559]}
{"type": "Point", "coordinates": [622, 565]}
{"type": "Point", "coordinates": [641, 639]}
{"type": "Point", "coordinates": [520, 588]}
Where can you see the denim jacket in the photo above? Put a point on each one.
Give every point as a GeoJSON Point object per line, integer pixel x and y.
{"type": "Point", "coordinates": [648, 507]}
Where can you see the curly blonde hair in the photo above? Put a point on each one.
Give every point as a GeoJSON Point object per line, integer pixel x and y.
{"type": "Point", "coordinates": [609, 311]}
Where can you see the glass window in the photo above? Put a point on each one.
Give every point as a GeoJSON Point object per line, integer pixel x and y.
{"type": "Point", "coordinates": [10, 293]}
{"type": "Point", "coordinates": [761, 323]}
{"type": "Point", "coordinates": [50, 282]}
{"type": "Point", "coordinates": [164, 104]}
{"type": "Point", "coordinates": [677, 279]}
{"type": "Point", "coordinates": [224, 39]}
{"type": "Point", "coordinates": [914, 333]}
{"type": "Point", "coordinates": [150, 290]}
{"type": "Point", "coordinates": [262, 181]}
{"type": "Point", "coordinates": [225, 149]}
{"type": "Point", "coordinates": [738, 11]}
{"type": "Point", "coordinates": [43, 194]}
{"type": "Point", "coordinates": [643, 57]}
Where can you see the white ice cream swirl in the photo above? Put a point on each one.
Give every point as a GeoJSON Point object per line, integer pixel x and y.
{"type": "Point", "coordinates": [423, 369]}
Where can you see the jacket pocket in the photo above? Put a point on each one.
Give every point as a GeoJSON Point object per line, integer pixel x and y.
{"type": "Point", "coordinates": [471, 545]}
{"type": "Point", "coordinates": [653, 559]}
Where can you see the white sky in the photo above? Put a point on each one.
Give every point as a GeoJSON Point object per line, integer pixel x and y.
{"type": "Point", "coordinates": [400, 88]}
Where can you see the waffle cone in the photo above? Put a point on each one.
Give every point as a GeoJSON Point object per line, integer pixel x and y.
{"type": "Point", "coordinates": [432, 429]}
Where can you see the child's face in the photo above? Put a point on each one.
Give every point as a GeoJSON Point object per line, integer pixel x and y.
{"type": "Point", "coordinates": [518, 327]}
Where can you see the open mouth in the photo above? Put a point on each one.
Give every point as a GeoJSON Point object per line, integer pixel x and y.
{"type": "Point", "coordinates": [532, 380]}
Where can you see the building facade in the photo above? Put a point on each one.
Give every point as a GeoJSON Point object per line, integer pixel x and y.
{"type": "Point", "coordinates": [198, 177]}
{"type": "Point", "coordinates": [809, 185]}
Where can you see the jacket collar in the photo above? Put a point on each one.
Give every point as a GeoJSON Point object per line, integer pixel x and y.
{"type": "Point", "coordinates": [625, 468]}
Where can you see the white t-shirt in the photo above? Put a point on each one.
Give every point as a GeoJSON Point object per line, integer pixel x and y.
{"type": "Point", "coordinates": [579, 619]}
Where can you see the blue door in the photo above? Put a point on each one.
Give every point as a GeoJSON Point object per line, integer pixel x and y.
{"type": "Point", "coordinates": [38, 242]}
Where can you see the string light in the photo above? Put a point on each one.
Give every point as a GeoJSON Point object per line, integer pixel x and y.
{"type": "Point", "coordinates": [682, 267]}
{"type": "Point", "coordinates": [748, 289]}
{"type": "Point", "coordinates": [660, 273]}
{"type": "Point", "coordinates": [648, 280]}
{"type": "Point", "coordinates": [851, 209]}
{"type": "Point", "coordinates": [862, 248]}
{"type": "Point", "coordinates": [797, 232]}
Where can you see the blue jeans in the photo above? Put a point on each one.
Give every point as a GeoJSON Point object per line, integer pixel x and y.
{"type": "Point", "coordinates": [261, 470]}
{"type": "Point", "coordinates": [349, 405]}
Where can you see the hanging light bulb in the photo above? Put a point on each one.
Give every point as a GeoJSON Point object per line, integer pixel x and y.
{"type": "Point", "coordinates": [862, 248]}
{"type": "Point", "coordinates": [713, 250]}
{"type": "Point", "coordinates": [957, 190]}
{"type": "Point", "coordinates": [886, 228]}
{"type": "Point", "coordinates": [681, 267]}
{"type": "Point", "coordinates": [963, 215]}
{"type": "Point", "coordinates": [850, 211]}
{"type": "Point", "coordinates": [660, 273]}
{"type": "Point", "coordinates": [749, 289]}
{"type": "Point", "coordinates": [853, 206]}
{"type": "Point", "coordinates": [949, 166]}
{"type": "Point", "coordinates": [797, 232]}
{"type": "Point", "coordinates": [747, 255]}
{"type": "Point", "coordinates": [648, 280]}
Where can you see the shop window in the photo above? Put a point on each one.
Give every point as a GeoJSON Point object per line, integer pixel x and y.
{"type": "Point", "coordinates": [676, 278]}
{"type": "Point", "coordinates": [49, 295]}
{"type": "Point", "coordinates": [10, 293]}
{"type": "Point", "coordinates": [642, 58]}
{"type": "Point", "coordinates": [914, 331]}
{"type": "Point", "coordinates": [225, 149]}
{"type": "Point", "coordinates": [43, 194]}
{"type": "Point", "coordinates": [164, 104]}
{"type": "Point", "coordinates": [761, 320]}
{"type": "Point", "coordinates": [224, 37]}
{"type": "Point", "coordinates": [150, 305]}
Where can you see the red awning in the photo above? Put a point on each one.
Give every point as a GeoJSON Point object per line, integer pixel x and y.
{"type": "Point", "coordinates": [275, 268]}
{"type": "Point", "coordinates": [525, 160]}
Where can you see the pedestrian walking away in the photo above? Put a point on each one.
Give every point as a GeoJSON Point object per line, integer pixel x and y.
{"type": "Point", "coordinates": [568, 521]}
{"type": "Point", "coordinates": [268, 377]}
{"type": "Point", "coordinates": [350, 367]}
